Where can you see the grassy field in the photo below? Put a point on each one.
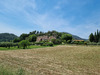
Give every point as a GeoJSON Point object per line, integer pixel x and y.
{"type": "Point", "coordinates": [58, 60]}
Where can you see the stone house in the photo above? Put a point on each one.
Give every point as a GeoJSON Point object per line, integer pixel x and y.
{"type": "Point", "coordinates": [44, 38]}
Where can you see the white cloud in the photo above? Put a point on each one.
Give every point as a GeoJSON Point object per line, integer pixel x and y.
{"type": "Point", "coordinates": [16, 5]}
{"type": "Point", "coordinates": [46, 21]}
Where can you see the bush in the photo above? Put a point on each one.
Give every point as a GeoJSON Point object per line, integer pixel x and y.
{"type": "Point", "coordinates": [50, 44]}
{"type": "Point", "coordinates": [92, 43]}
{"type": "Point", "coordinates": [56, 41]}
{"type": "Point", "coordinates": [7, 44]}
{"type": "Point", "coordinates": [98, 43]}
{"type": "Point", "coordinates": [24, 43]}
{"type": "Point", "coordinates": [85, 43]}
{"type": "Point", "coordinates": [69, 41]}
{"type": "Point", "coordinates": [74, 42]}
{"type": "Point", "coordinates": [81, 43]}
{"type": "Point", "coordinates": [47, 44]}
{"type": "Point", "coordinates": [39, 43]}
{"type": "Point", "coordinates": [66, 37]}
{"type": "Point", "coordinates": [16, 40]}
{"type": "Point", "coordinates": [32, 38]}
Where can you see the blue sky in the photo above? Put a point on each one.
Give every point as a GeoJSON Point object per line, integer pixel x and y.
{"type": "Point", "coordinates": [78, 17]}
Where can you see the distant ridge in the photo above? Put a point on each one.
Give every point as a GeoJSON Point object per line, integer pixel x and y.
{"type": "Point", "coordinates": [76, 37]}
{"type": "Point", "coordinates": [7, 37]}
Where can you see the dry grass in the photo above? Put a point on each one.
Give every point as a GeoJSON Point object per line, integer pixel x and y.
{"type": "Point", "coordinates": [59, 60]}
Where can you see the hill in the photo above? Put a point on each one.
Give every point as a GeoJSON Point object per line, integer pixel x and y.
{"type": "Point", "coordinates": [76, 37]}
{"type": "Point", "coordinates": [7, 37]}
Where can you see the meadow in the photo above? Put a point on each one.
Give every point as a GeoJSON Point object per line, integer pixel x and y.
{"type": "Point", "coordinates": [57, 60]}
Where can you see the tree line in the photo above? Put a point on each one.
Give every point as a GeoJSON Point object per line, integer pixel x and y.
{"type": "Point", "coordinates": [25, 40]}
{"type": "Point", "coordinates": [95, 37]}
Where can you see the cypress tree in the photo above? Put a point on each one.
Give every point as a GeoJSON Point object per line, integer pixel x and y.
{"type": "Point", "coordinates": [97, 35]}
{"type": "Point", "coordinates": [91, 37]}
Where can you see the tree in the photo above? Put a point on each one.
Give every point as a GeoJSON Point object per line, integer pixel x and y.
{"type": "Point", "coordinates": [32, 38]}
{"type": "Point", "coordinates": [95, 37]}
{"type": "Point", "coordinates": [66, 37]}
{"type": "Point", "coordinates": [24, 43]}
{"type": "Point", "coordinates": [23, 36]}
{"type": "Point", "coordinates": [16, 40]}
{"type": "Point", "coordinates": [99, 36]}
{"type": "Point", "coordinates": [33, 32]}
{"type": "Point", "coordinates": [91, 37]}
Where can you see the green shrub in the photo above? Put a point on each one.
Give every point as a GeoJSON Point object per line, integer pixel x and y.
{"type": "Point", "coordinates": [7, 44]}
{"type": "Point", "coordinates": [81, 43]}
{"type": "Point", "coordinates": [47, 44]}
{"type": "Point", "coordinates": [66, 37]}
{"type": "Point", "coordinates": [50, 44]}
{"type": "Point", "coordinates": [98, 43]}
{"type": "Point", "coordinates": [85, 43]}
{"type": "Point", "coordinates": [69, 41]}
{"type": "Point", "coordinates": [24, 43]}
{"type": "Point", "coordinates": [92, 43]}
{"type": "Point", "coordinates": [56, 41]}
{"type": "Point", "coordinates": [39, 43]}
{"type": "Point", "coordinates": [74, 42]}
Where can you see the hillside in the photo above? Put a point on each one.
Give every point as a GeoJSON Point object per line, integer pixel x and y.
{"type": "Point", "coordinates": [7, 37]}
{"type": "Point", "coordinates": [76, 37]}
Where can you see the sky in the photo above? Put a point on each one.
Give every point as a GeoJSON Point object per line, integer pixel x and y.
{"type": "Point", "coordinates": [78, 17]}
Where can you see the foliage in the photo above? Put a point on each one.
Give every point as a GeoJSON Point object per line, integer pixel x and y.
{"type": "Point", "coordinates": [6, 37]}
{"type": "Point", "coordinates": [56, 41]}
{"type": "Point", "coordinates": [94, 37]}
{"type": "Point", "coordinates": [24, 43]}
{"type": "Point", "coordinates": [69, 41]}
{"type": "Point", "coordinates": [66, 37]}
{"type": "Point", "coordinates": [48, 44]}
{"type": "Point", "coordinates": [7, 44]}
{"type": "Point", "coordinates": [39, 43]}
{"type": "Point", "coordinates": [92, 43]}
{"type": "Point", "coordinates": [23, 36]}
{"type": "Point", "coordinates": [16, 40]}
{"type": "Point", "coordinates": [32, 38]}
{"type": "Point", "coordinates": [79, 42]}
{"type": "Point", "coordinates": [91, 37]}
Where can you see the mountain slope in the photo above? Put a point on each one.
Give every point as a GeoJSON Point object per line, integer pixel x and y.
{"type": "Point", "coordinates": [7, 37]}
{"type": "Point", "coordinates": [76, 37]}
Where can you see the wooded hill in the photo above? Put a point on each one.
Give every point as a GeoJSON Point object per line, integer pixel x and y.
{"type": "Point", "coordinates": [7, 37]}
